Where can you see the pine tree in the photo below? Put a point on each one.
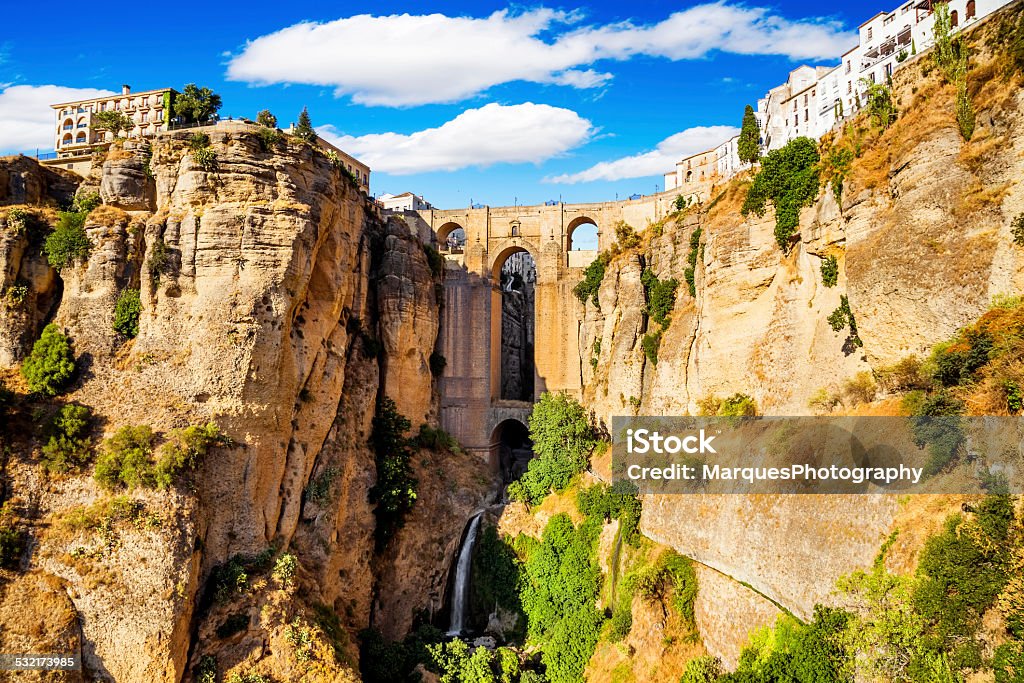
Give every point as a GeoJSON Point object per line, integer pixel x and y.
{"type": "Point", "coordinates": [749, 146]}
{"type": "Point", "coordinates": [304, 128]}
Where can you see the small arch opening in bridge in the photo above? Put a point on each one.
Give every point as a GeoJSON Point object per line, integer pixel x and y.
{"type": "Point", "coordinates": [451, 238]}
{"type": "Point", "coordinates": [511, 449]}
{"type": "Point", "coordinates": [516, 275]}
{"type": "Point", "coordinates": [581, 234]}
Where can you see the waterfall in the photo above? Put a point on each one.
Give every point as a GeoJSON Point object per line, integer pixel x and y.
{"type": "Point", "coordinates": [460, 587]}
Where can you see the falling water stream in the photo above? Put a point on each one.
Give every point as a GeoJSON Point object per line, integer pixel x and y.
{"type": "Point", "coordinates": [460, 587]}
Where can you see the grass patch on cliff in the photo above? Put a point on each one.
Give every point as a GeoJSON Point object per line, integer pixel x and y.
{"type": "Point", "coordinates": [593, 275]}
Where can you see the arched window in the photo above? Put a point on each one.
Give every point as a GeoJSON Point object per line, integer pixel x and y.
{"type": "Point", "coordinates": [66, 140]}
{"type": "Point", "coordinates": [68, 124]}
{"type": "Point", "coordinates": [954, 19]}
{"type": "Point", "coordinates": [82, 123]}
{"type": "Point", "coordinates": [80, 138]}
{"type": "Point", "coordinates": [971, 10]}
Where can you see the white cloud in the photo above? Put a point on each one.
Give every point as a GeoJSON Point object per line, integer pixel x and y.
{"type": "Point", "coordinates": [402, 60]}
{"type": "Point", "coordinates": [26, 120]}
{"type": "Point", "coordinates": [494, 133]}
{"type": "Point", "coordinates": [655, 162]}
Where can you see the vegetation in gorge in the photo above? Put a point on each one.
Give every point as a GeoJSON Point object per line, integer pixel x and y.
{"type": "Point", "coordinates": [660, 299]}
{"type": "Point", "coordinates": [829, 271]}
{"type": "Point", "coordinates": [842, 318]}
{"type": "Point", "coordinates": [926, 627]}
{"type": "Point", "coordinates": [789, 178]}
{"type": "Point", "coordinates": [952, 59]}
{"type": "Point", "coordinates": [737, 405]}
{"type": "Point", "coordinates": [126, 313]}
{"type": "Point", "coordinates": [691, 261]}
{"type": "Point", "coordinates": [394, 493]}
{"type": "Point", "coordinates": [618, 501]}
{"type": "Point", "coordinates": [50, 366]}
{"type": "Point", "coordinates": [68, 243]}
{"type": "Point", "coordinates": [593, 274]}
{"type": "Point", "coordinates": [563, 438]}
{"type": "Point", "coordinates": [68, 445]}
{"type": "Point", "coordinates": [126, 458]}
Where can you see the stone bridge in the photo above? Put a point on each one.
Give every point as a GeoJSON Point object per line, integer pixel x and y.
{"type": "Point", "coordinates": [472, 407]}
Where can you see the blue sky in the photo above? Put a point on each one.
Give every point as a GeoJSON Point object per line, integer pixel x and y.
{"type": "Point", "coordinates": [458, 101]}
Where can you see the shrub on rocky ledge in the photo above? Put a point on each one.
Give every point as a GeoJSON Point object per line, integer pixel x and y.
{"type": "Point", "coordinates": [69, 446]}
{"type": "Point", "coordinates": [49, 367]}
{"type": "Point", "coordinates": [68, 242]}
{"type": "Point", "coordinates": [126, 313]}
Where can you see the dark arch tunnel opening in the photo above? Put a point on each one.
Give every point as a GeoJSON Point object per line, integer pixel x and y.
{"type": "Point", "coordinates": [511, 449]}
{"type": "Point", "coordinates": [517, 281]}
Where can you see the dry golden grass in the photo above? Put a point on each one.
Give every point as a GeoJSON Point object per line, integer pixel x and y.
{"type": "Point", "coordinates": [108, 216]}
{"type": "Point", "coordinates": [980, 196]}
{"type": "Point", "coordinates": [975, 154]}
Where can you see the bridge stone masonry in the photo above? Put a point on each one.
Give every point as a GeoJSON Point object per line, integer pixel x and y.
{"type": "Point", "coordinates": [470, 337]}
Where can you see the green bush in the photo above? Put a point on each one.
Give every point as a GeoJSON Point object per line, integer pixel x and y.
{"type": "Point", "coordinates": [268, 138]}
{"type": "Point", "coordinates": [318, 489]}
{"type": "Point", "coordinates": [126, 313]}
{"type": "Point", "coordinates": [625, 235]}
{"type": "Point", "coordinates": [650, 343]}
{"type": "Point", "coordinates": [962, 570]}
{"type": "Point", "coordinates": [560, 590]}
{"type": "Point", "coordinates": [247, 677]}
{"type": "Point", "coordinates": [184, 450]}
{"type": "Point", "coordinates": [672, 576]}
{"type": "Point", "coordinates": [395, 491]}
{"type": "Point", "coordinates": [205, 158]}
{"type": "Point", "coordinates": [881, 109]}
{"type": "Point", "coordinates": [562, 441]}
{"type": "Point", "coordinates": [660, 295]}
{"type": "Point", "coordinates": [691, 261]}
{"type": "Point", "coordinates": [69, 446]}
{"type": "Point", "coordinates": [789, 179]}
{"type": "Point", "coordinates": [618, 501]}
{"type": "Point", "coordinates": [125, 460]}
{"type": "Point", "coordinates": [737, 405]}
{"type": "Point", "coordinates": [496, 573]}
{"type": "Point", "coordinates": [198, 141]}
{"type": "Point", "coordinates": [436, 439]}
{"type": "Point", "coordinates": [159, 261]}
{"type": "Point", "coordinates": [206, 670]}
{"type": "Point", "coordinates": [703, 669]}
{"type": "Point", "coordinates": [50, 366]}
{"type": "Point", "coordinates": [284, 569]}
{"type": "Point", "coordinates": [68, 242]}
{"type": "Point", "coordinates": [841, 318]}
{"type": "Point", "coordinates": [1017, 229]}
{"type": "Point", "coordinates": [829, 271]}
{"type": "Point", "coordinates": [593, 274]}
{"type": "Point", "coordinates": [958, 361]}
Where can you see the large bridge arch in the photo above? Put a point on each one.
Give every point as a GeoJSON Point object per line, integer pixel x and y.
{"type": "Point", "coordinates": [513, 324]}
{"type": "Point", "coordinates": [580, 223]}
{"type": "Point", "coordinates": [452, 230]}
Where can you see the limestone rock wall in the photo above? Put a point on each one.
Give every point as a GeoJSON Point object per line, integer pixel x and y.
{"type": "Point", "coordinates": [277, 303]}
{"type": "Point", "coordinates": [923, 244]}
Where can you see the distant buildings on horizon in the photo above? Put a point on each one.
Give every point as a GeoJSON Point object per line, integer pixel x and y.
{"type": "Point", "coordinates": [814, 99]}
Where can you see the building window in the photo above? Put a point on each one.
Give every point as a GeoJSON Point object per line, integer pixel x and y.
{"type": "Point", "coordinates": [888, 71]}
{"type": "Point", "coordinates": [954, 19]}
{"type": "Point", "coordinates": [871, 76]}
{"type": "Point", "coordinates": [807, 116]}
{"type": "Point", "coordinates": [849, 66]}
{"type": "Point", "coordinates": [849, 87]}
{"type": "Point", "coordinates": [869, 33]}
{"type": "Point", "coordinates": [971, 10]}
{"type": "Point", "coordinates": [805, 99]}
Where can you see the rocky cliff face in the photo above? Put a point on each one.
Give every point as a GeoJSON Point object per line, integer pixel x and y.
{"type": "Point", "coordinates": [277, 303]}
{"type": "Point", "coordinates": [923, 244]}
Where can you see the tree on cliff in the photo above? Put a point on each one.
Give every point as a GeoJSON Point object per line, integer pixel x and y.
{"type": "Point", "coordinates": [304, 128]}
{"type": "Point", "coordinates": [749, 144]}
{"type": "Point", "coordinates": [114, 121]}
{"type": "Point", "coordinates": [265, 118]}
{"type": "Point", "coordinates": [196, 105]}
